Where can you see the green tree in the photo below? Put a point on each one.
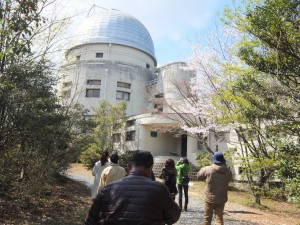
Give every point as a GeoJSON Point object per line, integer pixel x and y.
{"type": "Point", "coordinates": [265, 94]}
{"type": "Point", "coordinates": [36, 132]}
{"type": "Point", "coordinates": [108, 120]}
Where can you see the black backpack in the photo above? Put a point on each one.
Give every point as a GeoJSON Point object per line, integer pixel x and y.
{"type": "Point", "coordinates": [170, 179]}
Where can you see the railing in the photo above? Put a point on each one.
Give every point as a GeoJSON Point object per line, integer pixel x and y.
{"type": "Point", "coordinates": [152, 82]}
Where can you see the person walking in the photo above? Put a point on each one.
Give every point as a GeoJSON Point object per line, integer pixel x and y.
{"type": "Point", "coordinates": [217, 177]}
{"type": "Point", "coordinates": [169, 175]}
{"type": "Point", "coordinates": [113, 172]}
{"type": "Point", "coordinates": [97, 171]}
{"type": "Point", "coordinates": [134, 199]}
{"type": "Point", "coordinates": [183, 170]}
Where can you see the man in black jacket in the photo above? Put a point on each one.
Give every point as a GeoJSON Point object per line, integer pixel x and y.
{"type": "Point", "coordinates": [135, 199]}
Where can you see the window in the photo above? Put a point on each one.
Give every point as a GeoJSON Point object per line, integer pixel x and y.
{"type": "Point", "coordinates": [67, 84]}
{"type": "Point", "coordinates": [77, 57]}
{"type": "Point", "coordinates": [93, 82]}
{"type": "Point", "coordinates": [147, 66]}
{"type": "Point", "coordinates": [123, 95]}
{"type": "Point", "coordinates": [241, 170]}
{"type": "Point", "coordinates": [130, 123]}
{"type": "Point", "coordinates": [158, 107]}
{"type": "Point", "coordinates": [123, 85]}
{"type": "Point", "coordinates": [201, 146]}
{"type": "Point", "coordinates": [99, 55]}
{"type": "Point", "coordinates": [160, 95]}
{"type": "Point", "coordinates": [130, 135]}
{"type": "Point", "coordinates": [153, 134]}
{"type": "Point", "coordinates": [93, 93]}
{"type": "Point", "coordinates": [67, 94]}
{"type": "Point", "coordinates": [116, 137]}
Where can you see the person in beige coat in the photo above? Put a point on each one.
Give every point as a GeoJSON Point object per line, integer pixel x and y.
{"type": "Point", "coordinates": [217, 177]}
{"type": "Point", "coordinates": [113, 172]}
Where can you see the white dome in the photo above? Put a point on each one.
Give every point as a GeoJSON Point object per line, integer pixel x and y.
{"type": "Point", "coordinates": [116, 27]}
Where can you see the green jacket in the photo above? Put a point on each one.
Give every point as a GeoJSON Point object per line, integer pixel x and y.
{"type": "Point", "coordinates": [185, 168]}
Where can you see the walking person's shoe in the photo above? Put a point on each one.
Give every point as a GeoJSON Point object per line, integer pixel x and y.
{"type": "Point", "coordinates": [180, 205]}
{"type": "Point", "coordinates": [186, 205]}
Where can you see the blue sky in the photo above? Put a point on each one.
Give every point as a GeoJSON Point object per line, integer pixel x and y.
{"type": "Point", "coordinates": [172, 24]}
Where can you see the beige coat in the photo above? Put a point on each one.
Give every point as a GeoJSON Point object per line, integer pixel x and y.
{"type": "Point", "coordinates": [97, 171]}
{"type": "Point", "coordinates": [111, 173]}
{"type": "Point", "coordinates": [217, 178]}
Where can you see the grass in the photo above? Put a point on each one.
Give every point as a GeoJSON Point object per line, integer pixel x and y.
{"type": "Point", "coordinates": [246, 199]}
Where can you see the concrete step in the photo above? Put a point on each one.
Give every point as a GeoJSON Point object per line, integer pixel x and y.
{"type": "Point", "coordinates": [158, 166]}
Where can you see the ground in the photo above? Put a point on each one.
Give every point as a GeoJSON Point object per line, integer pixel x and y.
{"type": "Point", "coordinates": [64, 203]}
{"type": "Point", "coordinates": [281, 213]}
{"type": "Point", "coordinates": [68, 202]}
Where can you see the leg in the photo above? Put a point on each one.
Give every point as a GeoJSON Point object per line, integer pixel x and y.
{"type": "Point", "coordinates": [179, 186]}
{"type": "Point", "coordinates": [208, 213]}
{"type": "Point", "coordinates": [219, 210]}
{"type": "Point", "coordinates": [186, 196]}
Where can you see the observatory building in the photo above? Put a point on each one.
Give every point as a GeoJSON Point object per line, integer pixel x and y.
{"type": "Point", "coordinates": [111, 57]}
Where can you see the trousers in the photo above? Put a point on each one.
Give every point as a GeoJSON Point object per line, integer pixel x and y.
{"type": "Point", "coordinates": [209, 210]}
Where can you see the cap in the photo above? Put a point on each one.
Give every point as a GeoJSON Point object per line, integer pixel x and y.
{"type": "Point", "coordinates": [217, 157]}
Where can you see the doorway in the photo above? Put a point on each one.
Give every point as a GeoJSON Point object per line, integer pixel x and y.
{"type": "Point", "coordinates": [184, 145]}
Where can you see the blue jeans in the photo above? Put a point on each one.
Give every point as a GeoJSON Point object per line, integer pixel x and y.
{"type": "Point", "coordinates": [186, 193]}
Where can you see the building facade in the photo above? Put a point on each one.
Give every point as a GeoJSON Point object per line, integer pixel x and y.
{"type": "Point", "coordinates": [112, 58]}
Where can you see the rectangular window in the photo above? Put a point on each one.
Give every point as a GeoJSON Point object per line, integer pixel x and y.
{"type": "Point", "coordinates": [67, 84]}
{"type": "Point", "coordinates": [99, 55]}
{"type": "Point", "coordinates": [130, 135]}
{"type": "Point", "coordinates": [92, 93]}
{"type": "Point", "coordinates": [153, 134]}
{"type": "Point", "coordinates": [116, 138]}
{"type": "Point", "coordinates": [241, 170]}
{"type": "Point", "coordinates": [123, 85]}
{"type": "Point", "coordinates": [160, 95]}
{"type": "Point", "coordinates": [123, 95]}
{"type": "Point", "coordinates": [130, 123]}
{"type": "Point", "coordinates": [77, 57]}
{"type": "Point", "coordinates": [201, 146]}
{"type": "Point", "coordinates": [67, 94]}
{"type": "Point", "coordinates": [158, 107]}
{"type": "Point", "coordinates": [147, 66]}
{"type": "Point", "coordinates": [93, 82]}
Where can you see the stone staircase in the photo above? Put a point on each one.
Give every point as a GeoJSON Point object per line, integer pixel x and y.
{"type": "Point", "coordinates": [159, 164]}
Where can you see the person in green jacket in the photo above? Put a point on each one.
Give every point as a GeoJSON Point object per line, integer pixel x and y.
{"type": "Point", "coordinates": [183, 170]}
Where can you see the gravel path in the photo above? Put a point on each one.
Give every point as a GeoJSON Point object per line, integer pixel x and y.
{"type": "Point", "coordinates": [194, 215]}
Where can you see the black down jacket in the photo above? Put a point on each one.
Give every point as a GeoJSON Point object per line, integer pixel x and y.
{"type": "Point", "coordinates": [134, 200]}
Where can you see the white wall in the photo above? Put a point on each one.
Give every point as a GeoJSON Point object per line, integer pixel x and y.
{"type": "Point", "coordinates": [112, 52]}
{"type": "Point", "coordinates": [161, 145]}
{"type": "Point", "coordinates": [109, 72]}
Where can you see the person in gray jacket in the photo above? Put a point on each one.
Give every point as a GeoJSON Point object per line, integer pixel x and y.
{"type": "Point", "coordinates": [134, 199]}
{"type": "Point", "coordinates": [217, 178]}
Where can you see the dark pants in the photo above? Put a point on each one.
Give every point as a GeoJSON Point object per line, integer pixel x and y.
{"type": "Point", "coordinates": [186, 193]}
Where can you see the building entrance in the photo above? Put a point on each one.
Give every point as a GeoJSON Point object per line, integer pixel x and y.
{"type": "Point", "coordinates": [184, 145]}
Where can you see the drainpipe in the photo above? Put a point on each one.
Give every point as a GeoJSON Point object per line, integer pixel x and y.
{"type": "Point", "coordinates": [104, 97]}
{"type": "Point", "coordinates": [109, 46]}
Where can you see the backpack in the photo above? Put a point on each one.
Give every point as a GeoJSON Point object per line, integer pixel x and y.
{"type": "Point", "coordinates": [170, 180]}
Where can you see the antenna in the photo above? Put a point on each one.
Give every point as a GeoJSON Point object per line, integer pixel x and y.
{"type": "Point", "coordinates": [93, 8]}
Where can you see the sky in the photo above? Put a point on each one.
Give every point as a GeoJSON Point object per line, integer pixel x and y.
{"type": "Point", "coordinates": [172, 24]}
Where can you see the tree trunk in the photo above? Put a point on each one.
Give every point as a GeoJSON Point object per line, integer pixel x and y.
{"type": "Point", "coordinates": [257, 199]}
